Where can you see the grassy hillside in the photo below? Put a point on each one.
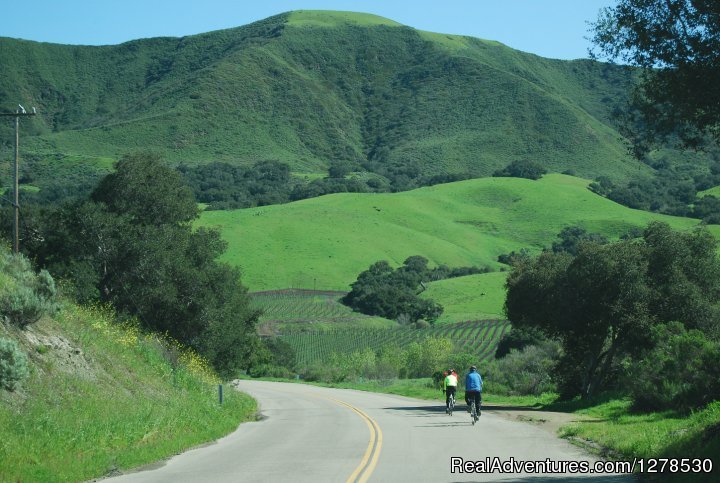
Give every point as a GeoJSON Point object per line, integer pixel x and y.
{"type": "Point", "coordinates": [715, 191]}
{"type": "Point", "coordinates": [473, 297]}
{"type": "Point", "coordinates": [326, 242]}
{"type": "Point", "coordinates": [309, 87]}
{"type": "Point", "coordinates": [102, 397]}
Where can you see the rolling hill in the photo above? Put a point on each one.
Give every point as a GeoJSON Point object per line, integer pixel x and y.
{"type": "Point", "coordinates": [326, 242]}
{"type": "Point", "coordinates": [472, 297]}
{"type": "Point", "coordinates": [311, 87]}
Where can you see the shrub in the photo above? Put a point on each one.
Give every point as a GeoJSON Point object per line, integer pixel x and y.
{"type": "Point", "coordinates": [681, 372]}
{"type": "Point", "coordinates": [13, 364]}
{"type": "Point", "coordinates": [521, 169]}
{"type": "Point", "coordinates": [270, 370]}
{"type": "Point", "coordinates": [424, 358]}
{"type": "Point", "coordinates": [28, 296]}
{"type": "Point", "coordinates": [325, 373]}
{"type": "Point", "coordinates": [281, 353]}
{"type": "Point", "coordinates": [571, 237]}
{"type": "Point", "coordinates": [518, 339]}
{"type": "Point", "coordinates": [529, 371]}
{"type": "Point", "coordinates": [514, 257]}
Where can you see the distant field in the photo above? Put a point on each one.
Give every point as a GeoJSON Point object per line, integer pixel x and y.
{"type": "Point", "coordinates": [476, 337]}
{"type": "Point", "coordinates": [469, 298]}
{"type": "Point", "coordinates": [715, 191]}
{"type": "Point", "coordinates": [473, 297]}
{"type": "Point", "coordinates": [326, 242]}
{"type": "Point", "coordinates": [307, 309]}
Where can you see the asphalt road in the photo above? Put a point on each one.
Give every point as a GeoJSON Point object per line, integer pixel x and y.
{"type": "Point", "coordinates": [314, 434]}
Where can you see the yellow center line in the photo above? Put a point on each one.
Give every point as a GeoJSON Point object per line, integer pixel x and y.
{"type": "Point", "coordinates": [372, 453]}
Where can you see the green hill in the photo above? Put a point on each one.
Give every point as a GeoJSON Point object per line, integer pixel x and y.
{"type": "Point", "coordinates": [310, 87]}
{"type": "Point", "coordinates": [473, 297]}
{"type": "Point", "coordinates": [326, 242]}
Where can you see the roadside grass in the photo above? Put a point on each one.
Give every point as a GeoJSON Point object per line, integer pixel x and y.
{"type": "Point", "coordinates": [626, 435]}
{"type": "Point", "coordinates": [327, 241]}
{"type": "Point", "coordinates": [128, 399]}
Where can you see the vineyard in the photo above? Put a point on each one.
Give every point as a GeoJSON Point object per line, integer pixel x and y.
{"type": "Point", "coordinates": [478, 337]}
{"type": "Point", "coordinates": [295, 309]}
{"type": "Point", "coordinates": [292, 304]}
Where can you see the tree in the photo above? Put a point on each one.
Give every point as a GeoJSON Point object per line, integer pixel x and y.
{"type": "Point", "coordinates": [518, 339]}
{"type": "Point", "coordinates": [339, 168]}
{"type": "Point", "coordinates": [595, 303]}
{"type": "Point", "coordinates": [677, 43]}
{"type": "Point", "coordinates": [147, 191]}
{"type": "Point", "coordinates": [381, 290]}
{"type": "Point", "coordinates": [681, 372]}
{"type": "Point", "coordinates": [521, 169]}
{"type": "Point", "coordinates": [572, 236]}
{"type": "Point", "coordinates": [602, 302]}
{"type": "Point", "coordinates": [132, 245]}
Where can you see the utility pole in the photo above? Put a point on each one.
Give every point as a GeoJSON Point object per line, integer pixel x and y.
{"type": "Point", "coordinates": [20, 112]}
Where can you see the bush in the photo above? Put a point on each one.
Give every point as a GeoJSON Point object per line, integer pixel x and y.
{"type": "Point", "coordinates": [681, 372]}
{"type": "Point", "coordinates": [13, 364]}
{"type": "Point", "coordinates": [521, 169]}
{"type": "Point", "coordinates": [270, 370]}
{"type": "Point", "coordinates": [518, 339]}
{"type": "Point", "coordinates": [325, 373]}
{"type": "Point", "coordinates": [424, 358]}
{"type": "Point", "coordinates": [514, 257]}
{"type": "Point", "coordinates": [529, 371]}
{"type": "Point", "coordinates": [571, 237]}
{"type": "Point", "coordinates": [281, 353]}
{"type": "Point", "coordinates": [27, 296]}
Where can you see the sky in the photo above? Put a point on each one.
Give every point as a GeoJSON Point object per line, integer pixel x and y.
{"type": "Point", "coordinates": [549, 28]}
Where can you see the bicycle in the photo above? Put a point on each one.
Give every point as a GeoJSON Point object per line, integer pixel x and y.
{"type": "Point", "coordinates": [474, 413]}
{"type": "Point", "coordinates": [451, 404]}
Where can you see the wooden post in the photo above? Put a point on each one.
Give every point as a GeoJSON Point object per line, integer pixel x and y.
{"type": "Point", "coordinates": [16, 199]}
{"type": "Point", "coordinates": [16, 174]}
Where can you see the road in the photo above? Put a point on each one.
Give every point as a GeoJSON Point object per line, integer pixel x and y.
{"type": "Point", "coordinates": [315, 434]}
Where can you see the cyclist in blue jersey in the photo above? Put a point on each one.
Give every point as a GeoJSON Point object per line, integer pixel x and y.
{"type": "Point", "coordinates": [473, 388]}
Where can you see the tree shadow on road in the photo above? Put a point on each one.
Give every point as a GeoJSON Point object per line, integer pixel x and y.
{"type": "Point", "coordinates": [419, 410]}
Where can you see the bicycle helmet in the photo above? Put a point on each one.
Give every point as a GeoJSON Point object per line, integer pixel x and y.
{"type": "Point", "coordinates": [473, 368]}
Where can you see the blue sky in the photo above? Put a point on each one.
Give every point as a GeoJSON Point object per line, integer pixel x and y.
{"type": "Point", "coordinates": [550, 28]}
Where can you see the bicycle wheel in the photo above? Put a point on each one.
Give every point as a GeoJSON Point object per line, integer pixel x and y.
{"type": "Point", "coordinates": [451, 404]}
{"type": "Point", "coordinates": [473, 413]}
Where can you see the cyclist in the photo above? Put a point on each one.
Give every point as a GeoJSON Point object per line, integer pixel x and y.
{"type": "Point", "coordinates": [449, 387]}
{"type": "Point", "coordinates": [473, 388]}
